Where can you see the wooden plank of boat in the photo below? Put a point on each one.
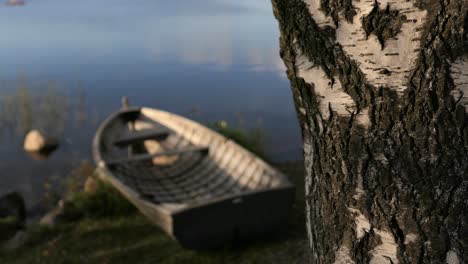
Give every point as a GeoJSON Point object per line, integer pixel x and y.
{"type": "Point", "coordinates": [143, 157]}
{"type": "Point", "coordinates": [210, 192]}
{"type": "Point", "coordinates": [141, 135]}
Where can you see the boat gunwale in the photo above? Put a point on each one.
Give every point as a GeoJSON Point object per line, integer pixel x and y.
{"type": "Point", "coordinates": [102, 164]}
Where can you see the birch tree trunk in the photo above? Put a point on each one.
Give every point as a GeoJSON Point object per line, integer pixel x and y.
{"type": "Point", "coordinates": [381, 92]}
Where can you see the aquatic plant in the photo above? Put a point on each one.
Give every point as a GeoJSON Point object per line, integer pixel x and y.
{"type": "Point", "coordinates": [43, 106]}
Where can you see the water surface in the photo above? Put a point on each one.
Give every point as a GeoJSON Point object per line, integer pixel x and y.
{"type": "Point", "coordinates": [65, 65]}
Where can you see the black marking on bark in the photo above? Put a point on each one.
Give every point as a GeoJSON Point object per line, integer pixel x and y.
{"type": "Point", "coordinates": [385, 71]}
{"type": "Point", "coordinates": [333, 8]}
{"type": "Point", "coordinates": [384, 24]}
{"type": "Point", "coordinates": [362, 248]}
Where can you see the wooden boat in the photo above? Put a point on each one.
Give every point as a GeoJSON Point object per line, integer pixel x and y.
{"type": "Point", "coordinates": [201, 188]}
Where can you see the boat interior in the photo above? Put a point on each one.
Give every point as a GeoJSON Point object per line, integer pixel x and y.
{"type": "Point", "coordinates": [170, 160]}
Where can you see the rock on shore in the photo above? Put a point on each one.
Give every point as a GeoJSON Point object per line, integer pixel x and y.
{"type": "Point", "coordinates": [37, 142]}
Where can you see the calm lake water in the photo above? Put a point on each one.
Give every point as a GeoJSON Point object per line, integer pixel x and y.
{"type": "Point", "coordinates": [65, 65]}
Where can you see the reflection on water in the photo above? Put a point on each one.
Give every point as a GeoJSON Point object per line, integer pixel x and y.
{"type": "Point", "coordinates": [211, 41]}
{"type": "Point", "coordinates": [15, 3]}
{"type": "Point", "coordinates": [209, 60]}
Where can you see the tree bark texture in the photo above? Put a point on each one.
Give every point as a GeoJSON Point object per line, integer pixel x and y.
{"type": "Point", "coordinates": [381, 92]}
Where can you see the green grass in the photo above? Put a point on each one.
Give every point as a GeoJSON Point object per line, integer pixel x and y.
{"type": "Point", "coordinates": [128, 237]}
{"type": "Point", "coordinates": [135, 240]}
{"type": "Point", "coordinates": [105, 203]}
{"type": "Point", "coordinates": [106, 228]}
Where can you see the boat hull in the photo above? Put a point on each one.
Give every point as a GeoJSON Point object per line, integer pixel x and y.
{"type": "Point", "coordinates": [233, 220]}
{"type": "Point", "coordinates": [250, 201]}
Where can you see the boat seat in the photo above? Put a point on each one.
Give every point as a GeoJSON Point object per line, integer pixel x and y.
{"type": "Point", "coordinates": [133, 137]}
{"type": "Point", "coordinates": [143, 157]}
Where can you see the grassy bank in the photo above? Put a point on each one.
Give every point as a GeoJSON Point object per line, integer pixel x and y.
{"type": "Point", "coordinates": [105, 228]}
{"type": "Point", "coordinates": [130, 238]}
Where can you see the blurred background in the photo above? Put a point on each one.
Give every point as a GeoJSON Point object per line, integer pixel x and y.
{"type": "Point", "coordinates": [66, 64]}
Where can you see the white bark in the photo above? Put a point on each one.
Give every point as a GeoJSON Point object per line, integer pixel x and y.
{"type": "Point", "coordinates": [399, 55]}
{"type": "Point", "coordinates": [342, 256]}
{"type": "Point", "coordinates": [320, 18]}
{"type": "Point", "coordinates": [459, 72]}
{"type": "Point", "coordinates": [453, 258]}
{"type": "Point", "coordinates": [329, 92]}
